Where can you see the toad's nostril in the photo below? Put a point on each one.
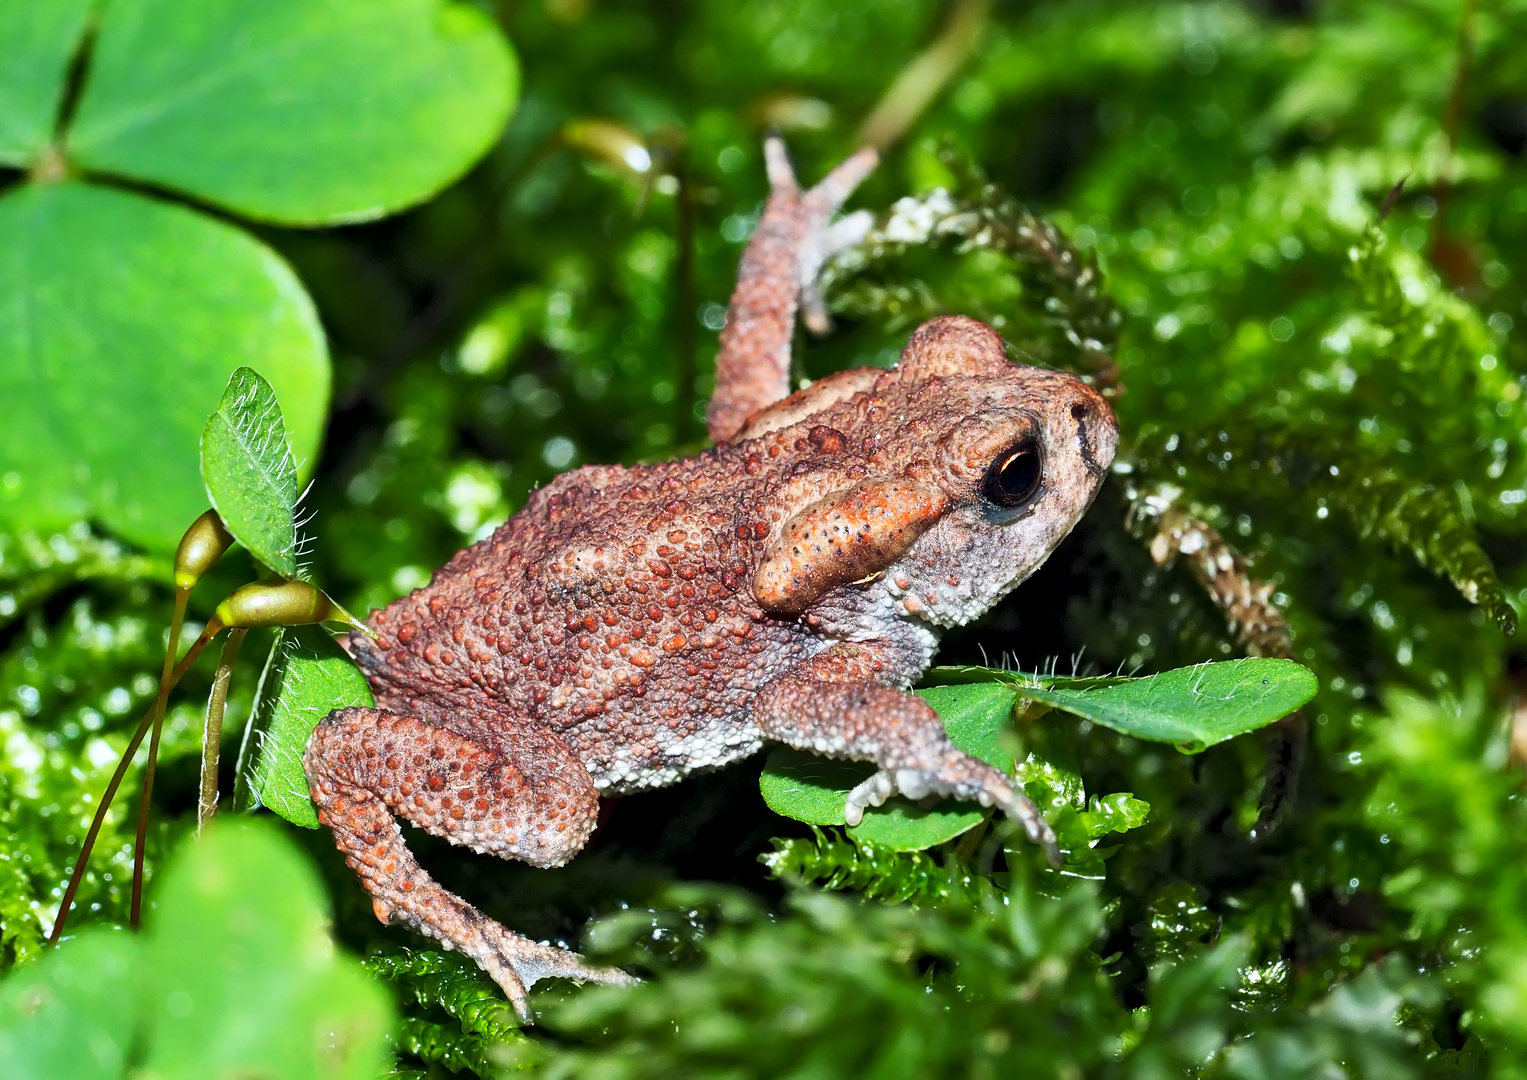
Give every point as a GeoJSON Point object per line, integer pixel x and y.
{"type": "Point", "coordinates": [1079, 411]}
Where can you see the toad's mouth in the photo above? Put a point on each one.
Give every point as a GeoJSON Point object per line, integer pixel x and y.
{"type": "Point", "coordinates": [1086, 446]}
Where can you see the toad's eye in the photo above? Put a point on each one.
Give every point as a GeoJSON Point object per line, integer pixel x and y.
{"type": "Point", "coordinates": [1014, 478]}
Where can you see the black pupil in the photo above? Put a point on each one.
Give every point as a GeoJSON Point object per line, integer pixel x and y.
{"type": "Point", "coordinates": [1014, 477]}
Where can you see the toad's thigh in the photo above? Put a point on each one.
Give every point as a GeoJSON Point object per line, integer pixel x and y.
{"type": "Point", "coordinates": [498, 785]}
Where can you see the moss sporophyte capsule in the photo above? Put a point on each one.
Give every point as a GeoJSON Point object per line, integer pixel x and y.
{"type": "Point", "coordinates": [278, 603]}
{"type": "Point", "coordinates": [200, 548]}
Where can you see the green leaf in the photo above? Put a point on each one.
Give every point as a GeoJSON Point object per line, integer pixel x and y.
{"type": "Point", "coordinates": [37, 41]}
{"type": "Point", "coordinates": [72, 1013]}
{"type": "Point", "coordinates": [247, 467]}
{"type": "Point", "coordinates": [902, 825]}
{"type": "Point", "coordinates": [808, 787]}
{"type": "Point", "coordinates": [812, 789]}
{"type": "Point", "coordinates": [306, 677]}
{"type": "Point", "coordinates": [121, 319]}
{"type": "Point", "coordinates": [976, 717]}
{"type": "Point", "coordinates": [1199, 706]}
{"type": "Point", "coordinates": [303, 112]}
{"type": "Point", "coordinates": [241, 976]}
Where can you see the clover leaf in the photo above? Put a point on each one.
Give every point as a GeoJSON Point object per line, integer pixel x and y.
{"type": "Point", "coordinates": [123, 315]}
{"type": "Point", "coordinates": [121, 319]}
{"type": "Point", "coordinates": [36, 42]}
{"type": "Point", "coordinates": [235, 976]}
{"type": "Point", "coordinates": [304, 112]}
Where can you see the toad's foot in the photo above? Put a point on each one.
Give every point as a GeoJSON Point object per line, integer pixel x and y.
{"type": "Point", "coordinates": [967, 779]}
{"type": "Point", "coordinates": [504, 786]}
{"type": "Point", "coordinates": [795, 236]}
{"type": "Point", "coordinates": [517, 963]}
{"type": "Point", "coordinates": [820, 237]}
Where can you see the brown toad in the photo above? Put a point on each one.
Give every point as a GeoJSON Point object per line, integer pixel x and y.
{"type": "Point", "coordinates": [632, 625]}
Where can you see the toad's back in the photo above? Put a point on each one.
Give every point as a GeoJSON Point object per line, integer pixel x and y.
{"type": "Point", "coordinates": [614, 608]}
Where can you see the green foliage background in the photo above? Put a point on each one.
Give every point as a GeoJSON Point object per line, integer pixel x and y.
{"type": "Point", "coordinates": [1340, 397]}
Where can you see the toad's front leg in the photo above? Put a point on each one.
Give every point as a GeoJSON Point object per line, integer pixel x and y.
{"type": "Point", "coordinates": [839, 704]}
{"type": "Point", "coordinates": [498, 785]}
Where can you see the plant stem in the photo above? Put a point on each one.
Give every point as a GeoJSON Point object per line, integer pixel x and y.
{"type": "Point", "coordinates": [925, 77]}
{"type": "Point", "coordinates": [160, 700]}
{"type": "Point", "coordinates": [1451, 119]}
{"type": "Point", "coordinates": [78, 874]}
{"type": "Point", "coordinates": [212, 734]}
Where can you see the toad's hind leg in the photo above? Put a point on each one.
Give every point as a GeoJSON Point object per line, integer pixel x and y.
{"type": "Point", "coordinates": [509, 788]}
{"type": "Point", "coordinates": [778, 274]}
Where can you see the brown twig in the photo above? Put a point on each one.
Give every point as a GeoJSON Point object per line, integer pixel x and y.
{"type": "Point", "coordinates": [1259, 626]}
{"type": "Point", "coordinates": [157, 725]}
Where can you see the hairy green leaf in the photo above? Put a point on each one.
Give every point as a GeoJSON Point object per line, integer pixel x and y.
{"type": "Point", "coordinates": [809, 787]}
{"type": "Point", "coordinates": [1196, 706]}
{"type": "Point", "coordinates": [977, 716]}
{"type": "Point", "coordinates": [303, 112]}
{"type": "Point", "coordinates": [306, 677]}
{"type": "Point", "coordinates": [813, 789]}
{"type": "Point", "coordinates": [247, 467]}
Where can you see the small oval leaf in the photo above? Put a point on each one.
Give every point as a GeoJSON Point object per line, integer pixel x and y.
{"type": "Point", "coordinates": [803, 786]}
{"type": "Point", "coordinates": [1195, 706]}
{"type": "Point", "coordinates": [902, 825]}
{"type": "Point", "coordinates": [306, 677]}
{"type": "Point", "coordinates": [248, 469]}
